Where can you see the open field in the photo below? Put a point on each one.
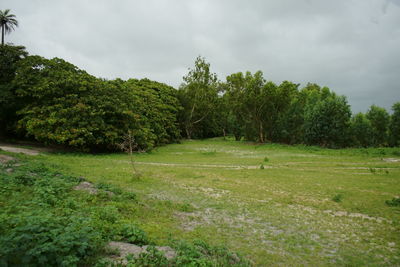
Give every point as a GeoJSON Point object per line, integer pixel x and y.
{"type": "Point", "coordinates": [275, 204]}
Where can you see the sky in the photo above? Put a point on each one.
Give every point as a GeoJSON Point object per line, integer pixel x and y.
{"type": "Point", "coordinates": [350, 46]}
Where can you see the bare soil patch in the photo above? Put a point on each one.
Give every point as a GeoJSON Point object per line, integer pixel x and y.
{"type": "Point", "coordinates": [126, 248]}
{"type": "Point", "coordinates": [26, 151]}
{"type": "Point", "coordinates": [4, 159]}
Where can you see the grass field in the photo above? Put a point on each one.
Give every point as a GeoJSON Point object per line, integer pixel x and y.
{"type": "Point", "coordinates": [275, 204]}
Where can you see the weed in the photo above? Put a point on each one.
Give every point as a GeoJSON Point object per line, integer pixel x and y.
{"type": "Point", "coordinates": [262, 167]}
{"type": "Point", "coordinates": [30, 239]}
{"type": "Point", "coordinates": [151, 258]}
{"type": "Point", "coordinates": [372, 170]}
{"type": "Point", "coordinates": [133, 234]}
{"type": "Point", "coordinates": [337, 198]}
{"type": "Point", "coordinates": [266, 159]}
{"type": "Point", "coordinates": [395, 202]}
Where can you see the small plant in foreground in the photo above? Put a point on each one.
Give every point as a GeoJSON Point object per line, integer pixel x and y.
{"type": "Point", "coordinates": [372, 170]}
{"type": "Point", "coordinates": [337, 198]}
{"type": "Point", "coordinates": [395, 202]}
{"type": "Point", "coordinates": [152, 258]}
{"type": "Point", "coordinates": [133, 234]}
{"type": "Point", "coordinates": [129, 145]}
{"type": "Point", "coordinates": [262, 167]}
{"type": "Point", "coordinates": [266, 159]}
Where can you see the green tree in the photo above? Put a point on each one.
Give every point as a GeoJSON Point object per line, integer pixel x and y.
{"type": "Point", "coordinates": [327, 123]}
{"type": "Point", "coordinates": [281, 101]}
{"type": "Point", "coordinates": [9, 58]}
{"type": "Point", "coordinates": [394, 127]}
{"type": "Point", "coordinates": [66, 105]}
{"type": "Point", "coordinates": [7, 23]}
{"type": "Point", "coordinates": [246, 94]}
{"type": "Point", "coordinates": [70, 107]}
{"type": "Point", "coordinates": [198, 96]}
{"type": "Point", "coordinates": [379, 119]}
{"type": "Point", "coordinates": [361, 130]}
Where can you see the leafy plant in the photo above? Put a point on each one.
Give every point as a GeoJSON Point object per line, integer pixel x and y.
{"type": "Point", "coordinates": [337, 198]}
{"type": "Point", "coordinates": [199, 253]}
{"type": "Point", "coordinates": [395, 202]}
{"type": "Point", "coordinates": [45, 239]}
{"type": "Point", "coordinates": [133, 234]}
{"type": "Point", "coordinates": [150, 258]}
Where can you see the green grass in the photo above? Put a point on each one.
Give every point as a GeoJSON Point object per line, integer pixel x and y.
{"type": "Point", "coordinates": [287, 213]}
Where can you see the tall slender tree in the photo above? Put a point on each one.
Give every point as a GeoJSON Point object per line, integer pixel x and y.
{"type": "Point", "coordinates": [7, 23]}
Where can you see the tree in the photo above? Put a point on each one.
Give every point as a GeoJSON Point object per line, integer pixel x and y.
{"type": "Point", "coordinates": [7, 23]}
{"type": "Point", "coordinates": [379, 119]}
{"type": "Point", "coordinates": [198, 96]}
{"type": "Point", "coordinates": [394, 127]}
{"type": "Point", "coordinates": [361, 130]}
{"type": "Point", "coordinates": [9, 58]}
{"type": "Point", "coordinates": [327, 124]}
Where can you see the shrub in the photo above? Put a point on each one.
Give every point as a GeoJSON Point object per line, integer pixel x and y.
{"type": "Point", "coordinates": [133, 234]}
{"type": "Point", "coordinates": [337, 198]}
{"type": "Point", "coordinates": [395, 202]}
{"type": "Point", "coordinates": [151, 258]}
{"type": "Point", "coordinates": [200, 253]}
{"type": "Point", "coordinates": [41, 238]}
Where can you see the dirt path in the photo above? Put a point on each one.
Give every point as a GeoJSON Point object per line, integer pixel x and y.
{"type": "Point", "coordinates": [26, 151]}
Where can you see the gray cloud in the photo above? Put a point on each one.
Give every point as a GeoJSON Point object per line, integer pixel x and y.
{"type": "Point", "coordinates": [350, 46]}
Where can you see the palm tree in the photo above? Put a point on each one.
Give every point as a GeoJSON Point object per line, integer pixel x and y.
{"type": "Point", "coordinates": [7, 23]}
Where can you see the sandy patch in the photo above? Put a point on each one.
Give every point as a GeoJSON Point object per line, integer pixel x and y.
{"type": "Point", "coordinates": [31, 152]}
{"type": "Point", "coordinates": [126, 248]}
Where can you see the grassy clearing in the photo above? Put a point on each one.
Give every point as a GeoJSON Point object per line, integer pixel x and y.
{"type": "Point", "coordinates": [308, 205]}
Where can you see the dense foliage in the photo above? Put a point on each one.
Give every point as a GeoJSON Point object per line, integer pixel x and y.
{"type": "Point", "coordinates": [57, 103]}
{"type": "Point", "coordinates": [247, 105]}
{"type": "Point", "coordinates": [54, 102]}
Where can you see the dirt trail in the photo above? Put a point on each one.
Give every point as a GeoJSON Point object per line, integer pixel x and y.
{"type": "Point", "coordinates": [26, 151]}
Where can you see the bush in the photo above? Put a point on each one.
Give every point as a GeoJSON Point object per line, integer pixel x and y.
{"type": "Point", "coordinates": [337, 198]}
{"type": "Point", "coordinates": [395, 202]}
{"type": "Point", "coordinates": [200, 253]}
{"type": "Point", "coordinates": [133, 234]}
{"type": "Point", "coordinates": [151, 258]}
{"type": "Point", "coordinates": [42, 238]}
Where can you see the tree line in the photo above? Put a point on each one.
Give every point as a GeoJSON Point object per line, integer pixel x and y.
{"type": "Point", "coordinates": [54, 102]}
{"type": "Point", "coordinates": [248, 106]}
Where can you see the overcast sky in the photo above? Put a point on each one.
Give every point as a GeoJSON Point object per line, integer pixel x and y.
{"type": "Point", "coordinates": [353, 47]}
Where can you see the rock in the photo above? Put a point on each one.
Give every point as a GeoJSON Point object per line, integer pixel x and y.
{"type": "Point", "coordinates": [127, 248]}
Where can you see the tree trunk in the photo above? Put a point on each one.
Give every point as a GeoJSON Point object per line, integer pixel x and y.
{"type": "Point", "coordinates": [261, 133]}
{"type": "Point", "coordinates": [2, 35]}
{"type": "Point", "coordinates": [188, 132]}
